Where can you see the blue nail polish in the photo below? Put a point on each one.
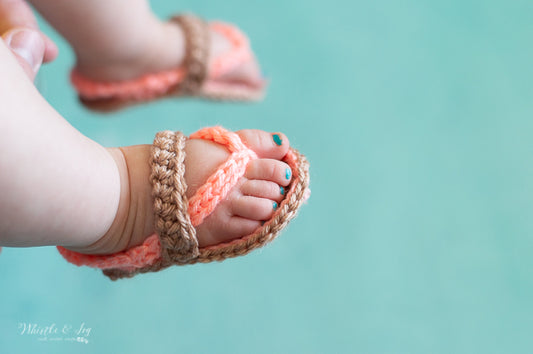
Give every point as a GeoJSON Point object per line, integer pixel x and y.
{"type": "Point", "coordinates": [274, 205]}
{"type": "Point", "coordinates": [282, 190]}
{"type": "Point", "coordinates": [288, 173]}
{"type": "Point", "coordinates": [277, 139]}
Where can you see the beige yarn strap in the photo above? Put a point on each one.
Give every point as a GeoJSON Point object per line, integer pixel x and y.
{"type": "Point", "coordinates": [196, 54]}
{"type": "Point", "coordinates": [173, 225]}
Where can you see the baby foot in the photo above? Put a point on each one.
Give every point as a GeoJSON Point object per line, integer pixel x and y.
{"type": "Point", "coordinates": [164, 51]}
{"type": "Point", "coordinates": [253, 199]}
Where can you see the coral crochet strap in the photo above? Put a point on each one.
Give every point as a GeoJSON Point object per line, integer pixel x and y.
{"type": "Point", "coordinates": [224, 179]}
{"type": "Point", "coordinates": [175, 241]}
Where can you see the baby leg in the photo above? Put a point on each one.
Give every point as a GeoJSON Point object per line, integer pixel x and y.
{"type": "Point", "coordinates": [54, 182]}
{"type": "Point", "coordinates": [58, 187]}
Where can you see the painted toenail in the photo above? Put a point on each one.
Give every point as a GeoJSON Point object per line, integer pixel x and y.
{"type": "Point", "coordinates": [288, 173]}
{"type": "Point", "coordinates": [282, 190]}
{"type": "Point", "coordinates": [274, 205]}
{"type": "Point", "coordinates": [277, 139]}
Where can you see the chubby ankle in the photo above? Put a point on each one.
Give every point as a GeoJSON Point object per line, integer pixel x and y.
{"type": "Point", "coordinates": [134, 218]}
{"type": "Point", "coordinates": [160, 48]}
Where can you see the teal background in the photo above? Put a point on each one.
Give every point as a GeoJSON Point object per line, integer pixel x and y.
{"type": "Point", "coordinates": [416, 117]}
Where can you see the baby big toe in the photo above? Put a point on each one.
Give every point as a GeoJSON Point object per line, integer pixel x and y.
{"type": "Point", "coordinates": [265, 145]}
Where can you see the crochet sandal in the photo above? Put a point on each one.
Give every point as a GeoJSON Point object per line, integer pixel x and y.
{"type": "Point", "coordinates": [192, 79]}
{"type": "Point", "coordinates": [174, 242]}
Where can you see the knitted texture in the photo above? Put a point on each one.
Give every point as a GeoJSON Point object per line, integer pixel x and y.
{"type": "Point", "coordinates": [172, 222]}
{"type": "Point", "coordinates": [196, 52]}
{"type": "Point", "coordinates": [175, 241]}
{"type": "Point", "coordinates": [194, 78]}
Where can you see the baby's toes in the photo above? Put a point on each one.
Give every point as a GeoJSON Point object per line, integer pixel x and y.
{"type": "Point", "coordinates": [269, 170]}
{"type": "Point", "coordinates": [265, 145]}
{"type": "Point", "coordinates": [254, 208]}
{"type": "Point", "coordinates": [263, 189]}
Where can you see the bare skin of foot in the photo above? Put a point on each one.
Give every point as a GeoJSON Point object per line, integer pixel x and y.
{"type": "Point", "coordinates": [252, 200]}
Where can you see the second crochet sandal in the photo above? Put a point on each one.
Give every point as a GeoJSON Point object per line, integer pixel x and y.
{"type": "Point", "coordinates": [194, 78]}
{"type": "Point", "coordinates": [174, 242]}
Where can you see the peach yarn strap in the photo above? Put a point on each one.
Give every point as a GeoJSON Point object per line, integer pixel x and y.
{"type": "Point", "coordinates": [241, 49]}
{"type": "Point", "coordinates": [217, 187]}
{"type": "Point", "coordinates": [148, 254]}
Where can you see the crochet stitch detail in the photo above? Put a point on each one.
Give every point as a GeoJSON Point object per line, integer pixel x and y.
{"type": "Point", "coordinates": [197, 42]}
{"type": "Point", "coordinates": [172, 222]}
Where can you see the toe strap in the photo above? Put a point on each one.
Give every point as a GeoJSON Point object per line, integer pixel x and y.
{"type": "Point", "coordinates": [218, 185]}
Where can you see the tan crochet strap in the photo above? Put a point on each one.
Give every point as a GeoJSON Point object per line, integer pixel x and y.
{"type": "Point", "coordinates": [173, 225]}
{"type": "Point", "coordinates": [196, 54]}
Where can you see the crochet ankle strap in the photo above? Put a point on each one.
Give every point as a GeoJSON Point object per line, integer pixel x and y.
{"type": "Point", "coordinates": [197, 42]}
{"type": "Point", "coordinates": [172, 222]}
{"type": "Point", "coordinates": [176, 217]}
